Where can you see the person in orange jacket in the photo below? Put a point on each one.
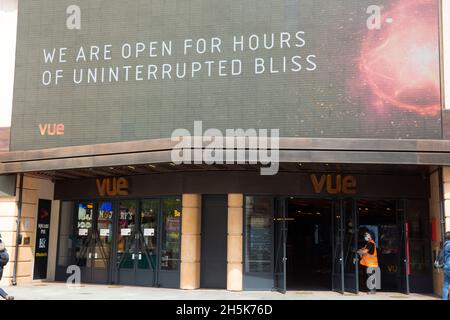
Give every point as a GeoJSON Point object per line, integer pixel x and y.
{"type": "Point", "coordinates": [369, 258]}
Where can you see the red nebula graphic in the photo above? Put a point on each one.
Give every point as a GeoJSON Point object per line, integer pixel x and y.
{"type": "Point", "coordinates": [400, 62]}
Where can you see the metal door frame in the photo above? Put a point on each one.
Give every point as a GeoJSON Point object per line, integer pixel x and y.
{"type": "Point", "coordinates": [142, 245]}
{"type": "Point", "coordinates": [280, 230]}
{"type": "Point", "coordinates": [138, 241]}
{"type": "Point", "coordinates": [117, 261]}
{"type": "Point", "coordinates": [401, 222]}
{"type": "Point", "coordinates": [86, 271]}
{"type": "Point", "coordinates": [337, 226]}
{"type": "Point", "coordinates": [353, 243]}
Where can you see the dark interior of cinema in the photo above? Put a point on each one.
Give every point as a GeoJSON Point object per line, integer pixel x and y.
{"type": "Point", "coordinates": [312, 238]}
{"type": "Point", "coordinates": [308, 246]}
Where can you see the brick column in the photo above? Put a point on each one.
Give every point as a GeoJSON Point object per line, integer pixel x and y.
{"type": "Point", "coordinates": [190, 241]}
{"type": "Point", "coordinates": [234, 242]}
{"type": "Point", "coordinates": [8, 230]}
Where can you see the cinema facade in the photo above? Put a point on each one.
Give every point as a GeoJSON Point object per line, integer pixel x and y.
{"type": "Point", "coordinates": [89, 186]}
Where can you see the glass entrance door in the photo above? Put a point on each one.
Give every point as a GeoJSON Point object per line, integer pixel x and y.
{"type": "Point", "coordinates": [385, 221]}
{"type": "Point", "coordinates": [349, 245]}
{"type": "Point", "coordinates": [103, 240]}
{"type": "Point", "coordinates": [403, 256]}
{"type": "Point", "coordinates": [126, 243]}
{"type": "Point", "coordinates": [345, 244]}
{"type": "Point", "coordinates": [93, 240]}
{"type": "Point", "coordinates": [338, 280]}
{"type": "Point", "coordinates": [84, 238]}
{"type": "Point", "coordinates": [136, 248]}
{"type": "Point", "coordinates": [280, 236]}
{"type": "Point", "coordinates": [146, 270]}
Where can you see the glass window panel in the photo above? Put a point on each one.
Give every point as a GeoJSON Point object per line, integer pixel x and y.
{"type": "Point", "coordinates": [126, 246]}
{"type": "Point", "coordinates": [148, 226]}
{"type": "Point", "coordinates": [66, 239]}
{"type": "Point", "coordinates": [171, 233]}
{"type": "Point", "coordinates": [258, 235]}
{"type": "Point", "coordinates": [85, 212]}
{"type": "Point", "coordinates": [419, 237]}
{"type": "Point", "coordinates": [104, 232]}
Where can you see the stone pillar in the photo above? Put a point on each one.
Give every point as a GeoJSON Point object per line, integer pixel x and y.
{"type": "Point", "coordinates": [234, 242]}
{"type": "Point", "coordinates": [190, 241]}
{"type": "Point", "coordinates": [8, 230]}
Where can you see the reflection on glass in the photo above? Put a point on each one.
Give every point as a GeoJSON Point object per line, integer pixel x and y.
{"type": "Point", "coordinates": [148, 229]}
{"type": "Point", "coordinates": [125, 243]}
{"type": "Point", "coordinates": [349, 238]}
{"type": "Point", "coordinates": [258, 240]}
{"type": "Point", "coordinates": [419, 237]}
{"type": "Point", "coordinates": [83, 232]}
{"type": "Point", "coordinates": [171, 229]}
{"type": "Point", "coordinates": [104, 233]}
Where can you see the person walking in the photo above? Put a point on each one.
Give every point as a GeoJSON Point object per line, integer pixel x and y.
{"type": "Point", "coordinates": [4, 258]}
{"type": "Point", "coordinates": [446, 252]}
{"type": "Point", "coordinates": [369, 259]}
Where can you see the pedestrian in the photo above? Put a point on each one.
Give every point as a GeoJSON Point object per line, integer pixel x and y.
{"type": "Point", "coordinates": [446, 253]}
{"type": "Point", "coordinates": [4, 258]}
{"type": "Point", "coordinates": [369, 259]}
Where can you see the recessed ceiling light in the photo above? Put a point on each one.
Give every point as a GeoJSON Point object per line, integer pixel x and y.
{"type": "Point", "coordinates": [151, 166]}
{"type": "Point", "coordinates": [131, 167]}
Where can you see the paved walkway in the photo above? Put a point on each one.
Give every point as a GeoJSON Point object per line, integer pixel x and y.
{"type": "Point", "coordinates": [60, 291]}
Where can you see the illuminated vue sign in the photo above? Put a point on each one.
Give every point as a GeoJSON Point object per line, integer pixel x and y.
{"type": "Point", "coordinates": [91, 71]}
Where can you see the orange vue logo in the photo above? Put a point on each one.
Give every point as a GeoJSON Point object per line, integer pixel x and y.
{"type": "Point", "coordinates": [51, 129]}
{"type": "Point", "coordinates": [112, 187]}
{"type": "Point", "coordinates": [334, 184]}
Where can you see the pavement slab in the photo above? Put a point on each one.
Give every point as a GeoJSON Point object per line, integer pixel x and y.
{"type": "Point", "coordinates": [61, 291]}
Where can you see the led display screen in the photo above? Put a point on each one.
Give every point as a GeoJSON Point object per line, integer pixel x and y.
{"type": "Point", "coordinates": [92, 71]}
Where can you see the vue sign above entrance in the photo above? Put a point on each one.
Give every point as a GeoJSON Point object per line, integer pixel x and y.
{"type": "Point", "coordinates": [112, 187]}
{"type": "Point", "coordinates": [334, 184]}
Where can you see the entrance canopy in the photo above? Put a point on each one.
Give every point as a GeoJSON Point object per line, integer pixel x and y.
{"type": "Point", "coordinates": [148, 156]}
